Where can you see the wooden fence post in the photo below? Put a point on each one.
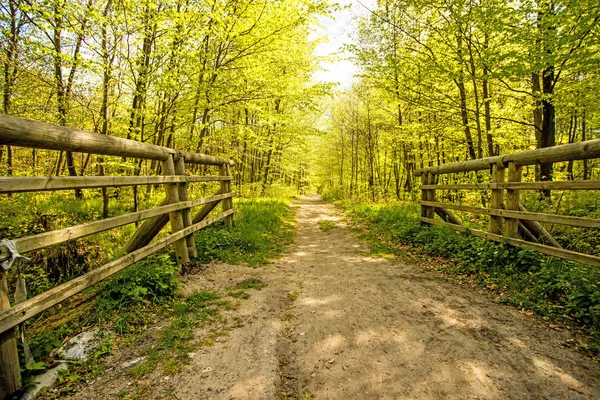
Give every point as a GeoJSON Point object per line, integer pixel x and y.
{"type": "Point", "coordinates": [186, 212]}
{"type": "Point", "coordinates": [511, 228]}
{"type": "Point", "coordinates": [427, 195]}
{"type": "Point", "coordinates": [497, 198]}
{"type": "Point", "coordinates": [175, 217]}
{"type": "Point", "coordinates": [226, 188]}
{"type": "Point", "coordinates": [10, 371]}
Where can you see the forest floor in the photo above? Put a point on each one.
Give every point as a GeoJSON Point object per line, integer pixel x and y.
{"type": "Point", "coordinates": [335, 322]}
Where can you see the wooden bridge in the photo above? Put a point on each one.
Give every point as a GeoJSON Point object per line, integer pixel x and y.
{"type": "Point", "coordinates": [176, 209]}
{"type": "Point", "coordinates": [509, 221]}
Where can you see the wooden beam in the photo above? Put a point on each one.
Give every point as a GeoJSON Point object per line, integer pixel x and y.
{"type": "Point", "coordinates": [42, 240]}
{"type": "Point", "coordinates": [35, 184]}
{"type": "Point", "coordinates": [560, 185]}
{"type": "Point", "coordinates": [31, 307]}
{"type": "Point", "coordinates": [186, 212]}
{"type": "Point", "coordinates": [524, 215]}
{"type": "Point", "coordinates": [10, 371]}
{"type": "Point", "coordinates": [511, 228]}
{"type": "Point", "coordinates": [15, 131]}
{"type": "Point", "coordinates": [196, 158]}
{"type": "Point", "coordinates": [496, 222]}
{"type": "Point", "coordinates": [204, 211]}
{"type": "Point", "coordinates": [552, 251]}
{"type": "Point", "coordinates": [566, 152]}
{"type": "Point", "coordinates": [225, 188]}
{"type": "Point", "coordinates": [22, 132]}
{"type": "Point", "coordinates": [175, 217]}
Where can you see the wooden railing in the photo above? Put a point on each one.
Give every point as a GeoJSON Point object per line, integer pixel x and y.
{"type": "Point", "coordinates": [176, 208]}
{"type": "Point", "coordinates": [509, 220]}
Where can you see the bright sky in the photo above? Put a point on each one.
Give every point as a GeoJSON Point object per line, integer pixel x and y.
{"type": "Point", "coordinates": [338, 31]}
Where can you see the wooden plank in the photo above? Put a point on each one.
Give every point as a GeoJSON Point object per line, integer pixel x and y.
{"type": "Point", "coordinates": [10, 371]}
{"type": "Point", "coordinates": [35, 184]}
{"type": "Point", "coordinates": [538, 230]}
{"type": "Point", "coordinates": [552, 251]}
{"type": "Point", "coordinates": [42, 240]}
{"type": "Point", "coordinates": [525, 215]}
{"type": "Point", "coordinates": [175, 217]}
{"type": "Point", "coordinates": [513, 200]}
{"type": "Point", "coordinates": [186, 212]}
{"type": "Point", "coordinates": [31, 307]}
{"type": "Point", "coordinates": [566, 152]}
{"type": "Point", "coordinates": [496, 222]}
{"type": "Point", "coordinates": [560, 185]}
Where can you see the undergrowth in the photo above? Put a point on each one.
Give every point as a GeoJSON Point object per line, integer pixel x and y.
{"type": "Point", "coordinates": [261, 231]}
{"type": "Point", "coordinates": [147, 293]}
{"type": "Point", "coordinates": [551, 287]}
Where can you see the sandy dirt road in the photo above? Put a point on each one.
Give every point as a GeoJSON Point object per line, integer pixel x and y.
{"type": "Point", "coordinates": [333, 322]}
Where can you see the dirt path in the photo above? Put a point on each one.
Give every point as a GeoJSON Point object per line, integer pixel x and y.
{"type": "Point", "coordinates": [336, 323]}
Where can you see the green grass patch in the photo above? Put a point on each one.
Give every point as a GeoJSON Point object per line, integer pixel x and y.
{"type": "Point", "coordinates": [326, 225]}
{"type": "Point", "coordinates": [262, 229]}
{"type": "Point", "coordinates": [552, 287]}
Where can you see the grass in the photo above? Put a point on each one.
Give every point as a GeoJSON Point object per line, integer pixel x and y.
{"type": "Point", "coordinates": [146, 293]}
{"type": "Point", "coordinates": [551, 287]}
{"type": "Point", "coordinates": [262, 229]}
{"type": "Point", "coordinates": [326, 225]}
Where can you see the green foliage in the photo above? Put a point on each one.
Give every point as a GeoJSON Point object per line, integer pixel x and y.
{"type": "Point", "coordinates": [550, 286]}
{"type": "Point", "coordinates": [262, 229]}
{"type": "Point", "coordinates": [150, 280]}
{"type": "Point", "coordinates": [326, 225]}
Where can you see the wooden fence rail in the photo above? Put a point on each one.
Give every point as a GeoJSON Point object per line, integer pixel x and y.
{"type": "Point", "coordinates": [508, 218]}
{"type": "Point", "coordinates": [176, 208]}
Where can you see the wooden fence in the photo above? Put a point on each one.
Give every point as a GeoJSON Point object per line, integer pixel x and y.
{"type": "Point", "coordinates": [176, 209]}
{"type": "Point", "coordinates": [509, 220]}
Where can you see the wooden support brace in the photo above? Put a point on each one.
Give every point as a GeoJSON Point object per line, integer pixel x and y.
{"type": "Point", "coordinates": [176, 217]}
{"type": "Point", "coordinates": [186, 212]}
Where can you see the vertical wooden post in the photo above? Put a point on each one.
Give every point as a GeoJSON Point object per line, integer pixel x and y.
{"type": "Point", "coordinates": [431, 195]}
{"type": "Point", "coordinates": [497, 199]}
{"type": "Point", "coordinates": [10, 371]}
{"type": "Point", "coordinates": [175, 217]}
{"type": "Point", "coordinates": [186, 212]}
{"type": "Point", "coordinates": [226, 188]}
{"type": "Point", "coordinates": [427, 178]}
{"type": "Point", "coordinates": [511, 228]}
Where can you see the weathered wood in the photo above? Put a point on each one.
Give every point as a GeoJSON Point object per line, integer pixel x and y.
{"type": "Point", "coordinates": [523, 215]}
{"type": "Point", "coordinates": [15, 131]}
{"type": "Point", "coordinates": [42, 240]}
{"type": "Point", "coordinates": [226, 188]}
{"type": "Point", "coordinates": [10, 371]}
{"type": "Point", "coordinates": [175, 217]}
{"type": "Point", "coordinates": [567, 152]}
{"type": "Point", "coordinates": [496, 223]}
{"type": "Point", "coordinates": [447, 216]}
{"type": "Point", "coordinates": [538, 230]}
{"type": "Point", "coordinates": [511, 228]}
{"type": "Point", "coordinates": [196, 158]}
{"type": "Point", "coordinates": [560, 185]}
{"type": "Point", "coordinates": [186, 212]}
{"type": "Point", "coordinates": [35, 184]}
{"type": "Point", "coordinates": [552, 251]}
{"type": "Point", "coordinates": [204, 211]}
{"type": "Point", "coordinates": [31, 307]}
{"type": "Point", "coordinates": [26, 133]}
